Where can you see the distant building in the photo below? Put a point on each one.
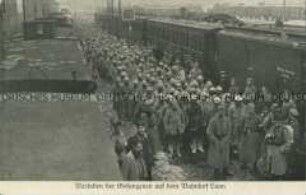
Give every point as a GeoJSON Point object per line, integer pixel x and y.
{"type": "Point", "coordinates": [262, 11]}
{"type": "Point", "coordinates": [2, 12]}
{"type": "Point", "coordinates": [10, 17]}
{"type": "Point", "coordinates": [36, 9]}
{"type": "Point", "coordinates": [9, 23]}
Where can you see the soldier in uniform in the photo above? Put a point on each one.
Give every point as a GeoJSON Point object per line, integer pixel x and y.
{"type": "Point", "coordinates": [134, 166]}
{"type": "Point", "coordinates": [161, 108]}
{"type": "Point", "coordinates": [195, 125]}
{"type": "Point", "coordinates": [237, 113]}
{"type": "Point", "coordinates": [125, 92]}
{"type": "Point", "coordinates": [288, 102]}
{"type": "Point", "coordinates": [200, 80]}
{"type": "Point", "coordinates": [233, 89]}
{"type": "Point", "coordinates": [218, 132]}
{"type": "Point", "coordinates": [117, 100]}
{"type": "Point", "coordinates": [147, 152]}
{"type": "Point", "coordinates": [279, 140]}
{"type": "Point", "coordinates": [250, 139]}
{"type": "Point", "coordinates": [297, 146]}
{"type": "Point", "coordinates": [195, 71]}
{"type": "Point", "coordinates": [250, 90]}
{"type": "Point", "coordinates": [294, 123]}
{"type": "Point", "coordinates": [174, 127]}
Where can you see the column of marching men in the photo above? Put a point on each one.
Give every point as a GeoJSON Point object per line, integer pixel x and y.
{"type": "Point", "coordinates": [178, 111]}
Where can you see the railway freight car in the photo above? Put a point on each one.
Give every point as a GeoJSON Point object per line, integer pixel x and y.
{"type": "Point", "coordinates": [196, 40]}
{"type": "Point", "coordinates": [273, 61]}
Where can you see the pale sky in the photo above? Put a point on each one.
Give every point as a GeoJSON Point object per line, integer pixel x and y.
{"type": "Point", "coordinates": [95, 4]}
{"type": "Point", "coordinates": [211, 2]}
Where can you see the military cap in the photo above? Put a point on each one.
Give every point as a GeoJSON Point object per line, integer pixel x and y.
{"type": "Point", "coordinates": [294, 112]}
{"type": "Point", "coordinates": [238, 98]}
{"type": "Point", "coordinates": [217, 100]}
{"type": "Point", "coordinates": [274, 105]}
{"type": "Point", "coordinates": [169, 74]}
{"type": "Point", "coordinates": [169, 97]}
{"type": "Point", "coordinates": [175, 68]}
{"type": "Point", "coordinates": [144, 83]}
{"type": "Point", "coordinates": [126, 78]}
{"type": "Point", "coordinates": [123, 74]}
{"type": "Point", "coordinates": [150, 89]}
{"type": "Point", "coordinates": [200, 78]}
{"type": "Point", "coordinates": [219, 88]}
{"type": "Point", "coordinates": [135, 82]}
{"type": "Point", "coordinates": [194, 83]}
{"type": "Point", "coordinates": [208, 84]}
{"type": "Point", "coordinates": [191, 90]}
{"type": "Point", "coordinates": [194, 96]}
{"type": "Point", "coordinates": [173, 81]}
{"type": "Point", "coordinates": [198, 91]}
{"type": "Point", "coordinates": [172, 90]}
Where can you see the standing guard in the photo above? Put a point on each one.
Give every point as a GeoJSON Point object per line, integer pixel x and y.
{"type": "Point", "coordinates": [218, 132]}
{"type": "Point", "coordinates": [174, 127]}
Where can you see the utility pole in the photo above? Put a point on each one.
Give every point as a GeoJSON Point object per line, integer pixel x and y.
{"type": "Point", "coordinates": [119, 8]}
{"type": "Point", "coordinates": [284, 10]}
{"type": "Point", "coordinates": [119, 18]}
{"type": "Point", "coordinates": [24, 10]}
{"type": "Point", "coordinates": [75, 7]}
{"type": "Point", "coordinates": [103, 6]}
{"type": "Point", "coordinates": [112, 8]}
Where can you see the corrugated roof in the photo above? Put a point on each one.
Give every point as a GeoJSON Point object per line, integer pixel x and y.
{"type": "Point", "coordinates": [188, 23]}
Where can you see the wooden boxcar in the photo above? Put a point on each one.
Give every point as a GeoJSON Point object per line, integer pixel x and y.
{"type": "Point", "coordinates": [271, 60]}
{"type": "Point", "coordinates": [198, 41]}
{"type": "Point", "coordinates": [238, 52]}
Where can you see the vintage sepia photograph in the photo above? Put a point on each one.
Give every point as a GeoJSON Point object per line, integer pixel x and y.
{"type": "Point", "coordinates": [152, 90]}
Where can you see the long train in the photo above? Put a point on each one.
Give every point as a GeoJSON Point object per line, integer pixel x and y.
{"type": "Point", "coordinates": [273, 58]}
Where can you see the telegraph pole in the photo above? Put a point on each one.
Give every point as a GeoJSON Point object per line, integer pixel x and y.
{"type": "Point", "coordinates": [284, 10]}
{"type": "Point", "coordinates": [24, 10]}
{"type": "Point", "coordinates": [119, 7]}
{"type": "Point", "coordinates": [112, 7]}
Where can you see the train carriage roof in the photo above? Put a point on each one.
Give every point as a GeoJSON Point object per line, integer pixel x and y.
{"type": "Point", "coordinates": [268, 37]}
{"type": "Point", "coordinates": [190, 24]}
